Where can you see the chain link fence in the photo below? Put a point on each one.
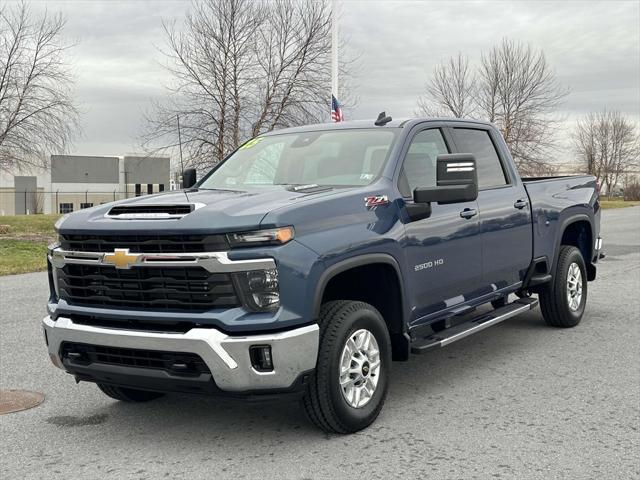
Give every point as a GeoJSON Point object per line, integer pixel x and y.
{"type": "Point", "coordinates": [30, 202]}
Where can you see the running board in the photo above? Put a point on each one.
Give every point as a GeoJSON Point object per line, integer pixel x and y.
{"type": "Point", "coordinates": [452, 334]}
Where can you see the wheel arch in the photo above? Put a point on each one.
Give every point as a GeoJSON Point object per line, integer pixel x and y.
{"type": "Point", "coordinates": [577, 231]}
{"type": "Point", "coordinates": [376, 279]}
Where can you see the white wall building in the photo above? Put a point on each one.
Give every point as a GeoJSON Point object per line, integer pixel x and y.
{"type": "Point", "coordinates": [75, 182]}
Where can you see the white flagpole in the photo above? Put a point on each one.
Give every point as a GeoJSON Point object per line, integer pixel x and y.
{"type": "Point", "coordinates": [334, 48]}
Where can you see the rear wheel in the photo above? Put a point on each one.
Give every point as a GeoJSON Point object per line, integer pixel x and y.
{"type": "Point", "coordinates": [349, 386]}
{"type": "Point", "coordinates": [563, 300]}
{"type": "Point", "coordinates": [128, 394]}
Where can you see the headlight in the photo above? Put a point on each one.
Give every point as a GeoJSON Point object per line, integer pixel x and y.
{"type": "Point", "coordinates": [270, 236]}
{"type": "Point", "coordinates": [259, 289]}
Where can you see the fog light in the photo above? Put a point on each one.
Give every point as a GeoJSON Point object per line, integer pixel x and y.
{"type": "Point", "coordinates": [261, 359]}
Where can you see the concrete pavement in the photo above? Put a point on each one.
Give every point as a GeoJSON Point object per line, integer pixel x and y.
{"type": "Point", "coordinates": [517, 401]}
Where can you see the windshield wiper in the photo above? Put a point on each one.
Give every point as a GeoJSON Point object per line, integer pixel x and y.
{"type": "Point", "coordinates": [305, 187]}
{"type": "Point", "coordinates": [221, 190]}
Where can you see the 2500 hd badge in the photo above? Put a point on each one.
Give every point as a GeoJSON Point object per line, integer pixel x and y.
{"type": "Point", "coordinates": [429, 264]}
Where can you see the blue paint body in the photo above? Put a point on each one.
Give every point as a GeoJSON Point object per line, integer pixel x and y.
{"type": "Point", "coordinates": [481, 257]}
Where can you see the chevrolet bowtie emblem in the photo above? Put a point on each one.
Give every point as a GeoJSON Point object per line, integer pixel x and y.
{"type": "Point", "coordinates": [121, 258]}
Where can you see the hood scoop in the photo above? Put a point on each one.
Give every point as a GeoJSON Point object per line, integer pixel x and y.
{"type": "Point", "coordinates": [152, 211]}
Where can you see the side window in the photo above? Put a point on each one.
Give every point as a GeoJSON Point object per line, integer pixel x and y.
{"type": "Point", "coordinates": [478, 142]}
{"type": "Point", "coordinates": [419, 166]}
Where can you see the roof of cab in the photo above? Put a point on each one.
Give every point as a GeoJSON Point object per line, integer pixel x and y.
{"type": "Point", "coordinates": [358, 124]}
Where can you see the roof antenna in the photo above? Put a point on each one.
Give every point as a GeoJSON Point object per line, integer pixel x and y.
{"type": "Point", "coordinates": [382, 120]}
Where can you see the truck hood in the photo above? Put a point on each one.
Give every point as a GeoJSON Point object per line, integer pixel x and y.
{"type": "Point", "coordinates": [216, 211]}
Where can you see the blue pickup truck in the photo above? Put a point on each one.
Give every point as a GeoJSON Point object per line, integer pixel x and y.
{"type": "Point", "coordinates": [313, 257]}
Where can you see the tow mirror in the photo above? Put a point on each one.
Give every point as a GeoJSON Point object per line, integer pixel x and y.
{"type": "Point", "coordinates": [189, 178]}
{"type": "Point", "coordinates": [456, 180]}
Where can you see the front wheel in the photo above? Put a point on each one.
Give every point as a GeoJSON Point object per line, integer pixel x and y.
{"type": "Point", "coordinates": [563, 300]}
{"type": "Point", "coordinates": [349, 386]}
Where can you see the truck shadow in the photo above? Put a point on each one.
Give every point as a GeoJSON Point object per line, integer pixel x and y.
{"type": "Point", "coordinates": [194, 420]}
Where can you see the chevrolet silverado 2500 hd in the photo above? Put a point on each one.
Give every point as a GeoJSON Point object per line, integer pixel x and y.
{"type": "Point", "coordinates": [311, 258]}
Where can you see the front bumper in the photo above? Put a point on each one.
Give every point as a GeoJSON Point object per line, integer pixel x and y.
{"type": "Point", "coordinates": [294, 351]}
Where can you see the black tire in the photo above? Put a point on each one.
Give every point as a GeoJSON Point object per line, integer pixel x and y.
{"type": "Point", "coordinates": [130, 395]}
{"type": "Point", "coordinates": [553, 297]}
{"type": "Point", "coordinates": [324, 401]}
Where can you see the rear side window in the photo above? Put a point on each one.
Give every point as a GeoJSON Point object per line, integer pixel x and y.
{"type": "Point", "coordinates": [478, 142]}
{"type": "Point", "coordinates": [419, 166]}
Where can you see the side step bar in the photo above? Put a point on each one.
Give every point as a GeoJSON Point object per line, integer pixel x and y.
{"type": "Point", "coordinates": [450, 335]}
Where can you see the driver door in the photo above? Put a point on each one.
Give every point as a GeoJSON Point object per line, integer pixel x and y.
{"type": "Point", "coordinates": [442, 252]}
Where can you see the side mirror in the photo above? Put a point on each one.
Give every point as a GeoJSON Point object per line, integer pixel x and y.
{"type": "Point", "coordinates": [189, 178]}
{"type": "Point", "coordinates": [456, 180]}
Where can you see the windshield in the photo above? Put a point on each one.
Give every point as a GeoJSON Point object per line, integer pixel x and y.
{"type": "Point", "coordinates": [334, 157]}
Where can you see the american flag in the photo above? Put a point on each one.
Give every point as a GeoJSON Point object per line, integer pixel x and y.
{"type": "Point", "coordinates": [336, 111]}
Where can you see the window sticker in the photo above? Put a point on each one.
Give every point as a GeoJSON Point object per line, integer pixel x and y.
{"type": "Point", "coordinates": [251, 143]}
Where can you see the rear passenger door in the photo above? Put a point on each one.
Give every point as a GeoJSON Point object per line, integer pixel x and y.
{"type": "Point", "coordinates": [442, 251]}
{"type": "Point", "coordinates": [505, 218]}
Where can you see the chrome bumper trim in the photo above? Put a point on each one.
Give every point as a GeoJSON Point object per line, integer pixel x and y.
{"type": "Point", "coordinates": [211, 261]}
{"type": "Point", "coordinates": [293, 352]}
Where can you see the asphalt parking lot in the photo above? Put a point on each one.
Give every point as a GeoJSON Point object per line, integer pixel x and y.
{"type": "Point", "coordinates": [517, 401]}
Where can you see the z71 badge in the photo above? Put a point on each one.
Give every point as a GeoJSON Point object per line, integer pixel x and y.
{"type": "Point", "coordinates": [375, 201]}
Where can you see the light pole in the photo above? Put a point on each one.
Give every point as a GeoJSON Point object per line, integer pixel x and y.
{"type": "Point", "coordinates": [180, 147]}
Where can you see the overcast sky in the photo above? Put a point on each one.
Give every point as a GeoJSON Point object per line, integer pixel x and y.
{"type": "Point", "coordinates": [594, 47]}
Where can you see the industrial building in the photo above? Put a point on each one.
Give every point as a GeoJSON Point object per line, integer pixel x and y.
{"type": "Point", "coordinates": [74, 182]}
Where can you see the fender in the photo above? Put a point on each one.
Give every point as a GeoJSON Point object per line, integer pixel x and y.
{"type": "Point", "coordinates": [400, 341]}
{"type": "Point", "coordinates": [578, 217]}
{"type": "Point", "coordinates": [358, 261]}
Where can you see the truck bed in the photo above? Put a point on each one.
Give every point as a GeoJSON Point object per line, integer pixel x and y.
{"type": "Point", "coordinates": [555, 200]}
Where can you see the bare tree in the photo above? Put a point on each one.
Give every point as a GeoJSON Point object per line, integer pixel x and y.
{"type": "Point", "coordinates": [451, 90]}
{"type": "Point", "coordinates": [519, 93]}
{"type": "Point", "coordinates": [513, 87]}
{"type": "Point", "coordinates": [241, 68]}
{"type": "Point", "coordinates": [608, 145]}
{"type": "Point", "coordinates": [632, 190]}
{"type": "Point", "coordinates": [37, 114]}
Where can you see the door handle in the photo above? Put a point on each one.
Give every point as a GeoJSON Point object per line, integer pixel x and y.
{"type": "Point", "coordinates": [468, 213]}
{"type": "Point", "coordinates": [520, 204]}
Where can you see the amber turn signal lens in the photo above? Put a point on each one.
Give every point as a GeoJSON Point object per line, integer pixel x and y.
{"type": "Point", "coordinates": [284, 234]}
